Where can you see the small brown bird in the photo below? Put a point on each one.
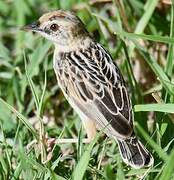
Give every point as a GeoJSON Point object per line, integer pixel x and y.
{"type": "Point", "coordinates": [92, 83]}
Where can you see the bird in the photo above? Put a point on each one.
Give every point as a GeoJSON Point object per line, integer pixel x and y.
{"type": "Point", "coordinates": [92, 83]}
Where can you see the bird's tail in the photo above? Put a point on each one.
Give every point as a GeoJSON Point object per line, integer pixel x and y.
{"type": "Point", "coordinates": [134, 153]}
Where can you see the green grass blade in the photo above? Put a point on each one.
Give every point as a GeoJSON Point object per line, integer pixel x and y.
{"type": "Point", "coordinates": [38, 57]}
{"type": "Point", "coordinates": [44, 90]}
{"type": "Point", "coordinates": [167, 108]}
{"type": "Point", "coordinates": [149, 9]}
{"type": "Point", "coordinates": [170, 55]}
{"type": "Point", "coordinates": [146, 16]}
{"type": "Point", "coordinates": [168, 170]}
{"type": "Point", "coordinates": [32, 86]}
{"type": "Point", "coordinates": [21, 117]}
{"type": "Point", "coordinates": [155, 38]}
{"type": "Point", "coordinates": [82, 165]}
{"type": "Point", "coordinates": [17, 171]}
{"type": "Point", "coordinates": [136, 172]}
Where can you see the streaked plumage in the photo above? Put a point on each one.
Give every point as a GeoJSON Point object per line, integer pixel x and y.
{"type": "Point", "coordinates": [89, 78]}
{"type": "Point", "coordinates": [92, 83]}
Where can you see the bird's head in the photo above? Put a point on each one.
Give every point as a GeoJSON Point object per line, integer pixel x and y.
{"type": "Point", "coordinates": [63, 28]}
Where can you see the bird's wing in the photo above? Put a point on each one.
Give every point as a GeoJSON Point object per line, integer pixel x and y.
{"type": "Point", "coordinates": [96, 86]}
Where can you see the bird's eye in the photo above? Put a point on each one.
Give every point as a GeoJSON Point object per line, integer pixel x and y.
{"type": "Point", "coordinates": [54, 27]}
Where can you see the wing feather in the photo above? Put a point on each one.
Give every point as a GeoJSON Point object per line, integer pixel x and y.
{"type": "Point", "coordinates": [98, 89]}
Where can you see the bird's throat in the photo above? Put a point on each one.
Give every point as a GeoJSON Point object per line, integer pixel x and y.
{"type": "Point", "coordinates": [73, 44]}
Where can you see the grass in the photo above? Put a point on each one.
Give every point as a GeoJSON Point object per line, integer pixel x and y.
{"type": "Point", "coordinates": [140, 36]}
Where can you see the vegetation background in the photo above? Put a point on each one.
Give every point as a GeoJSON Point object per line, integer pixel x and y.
{"type": "Point", "coordinates": [139, 35]}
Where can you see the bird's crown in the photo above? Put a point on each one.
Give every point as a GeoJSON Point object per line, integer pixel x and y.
{"type": "Point", "coordinates": [59, 14]}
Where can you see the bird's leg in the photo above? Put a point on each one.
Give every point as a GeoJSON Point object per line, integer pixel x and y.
{"type": "Point", "coordinates": [91, 130]}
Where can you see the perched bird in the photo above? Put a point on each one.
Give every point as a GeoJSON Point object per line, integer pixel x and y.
{"type": "Point", "coordinates": [92, 83]}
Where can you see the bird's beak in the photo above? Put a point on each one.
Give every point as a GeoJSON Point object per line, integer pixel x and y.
{"type": "Point", "coordinates": [31, 27]}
